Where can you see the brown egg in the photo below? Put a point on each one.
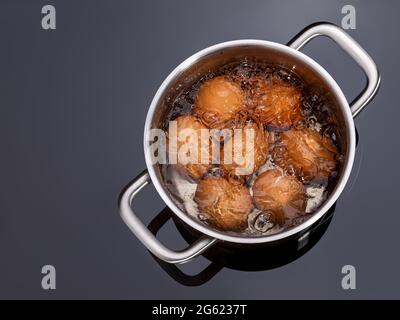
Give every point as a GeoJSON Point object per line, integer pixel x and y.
{"type": "Point", "coordinates": [245, 158]}
{"type": "Point", "coordinates": [276, 102]}
{"type": "Point", "coordinates": [311, 155]}
{"type": "Point", "coordinates": [225, 203]}
{"type": "Point", "coordinates": [281, 195]}
{"type": "Point", "coordinates": [218, 102]}
{"type": "Point", "coordinates": [192, 151]}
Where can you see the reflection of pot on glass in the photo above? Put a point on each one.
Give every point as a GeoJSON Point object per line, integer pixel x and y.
{"type": "Point", "coordinates": [311, 73]}
{"type": "Point", "coordinates": [254, 258]}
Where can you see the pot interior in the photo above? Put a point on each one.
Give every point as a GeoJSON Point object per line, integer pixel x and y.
{"type": "Point", "coordinates": [213, 58]}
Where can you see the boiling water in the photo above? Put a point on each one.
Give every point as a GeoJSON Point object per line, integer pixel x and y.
{"type": "Point", "coordinates": [317, 115]}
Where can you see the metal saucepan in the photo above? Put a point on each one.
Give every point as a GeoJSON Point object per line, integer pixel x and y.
{"type": "Point", "coordinates": [215, 56]}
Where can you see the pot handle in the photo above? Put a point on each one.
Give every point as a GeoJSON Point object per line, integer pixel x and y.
{"type": "Point", "coordinates": [348, 44]}
{"type": "Point", "coordinates": [144, 234]}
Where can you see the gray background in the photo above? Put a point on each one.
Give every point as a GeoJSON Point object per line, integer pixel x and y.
{"type": "Point", "coordinates": [72, 108]}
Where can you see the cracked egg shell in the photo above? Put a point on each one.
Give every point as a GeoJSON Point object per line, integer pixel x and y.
{"type": "Point", "coordinates": [311, 155]}
{"type": "Point", "coordinates": [225, 203]}
{"type": "Point", "coordinates": [186, 144]}
{"type": "Point", "coordinates": [253, 155]}
{"type": "Point", "coordinates": [218, 102]}
{"type": "Point", "coordinates": [279, 194]}
{"type": "Point", "coordinates": [275, 102]}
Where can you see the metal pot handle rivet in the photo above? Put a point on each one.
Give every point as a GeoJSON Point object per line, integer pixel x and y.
{"type": "Point", "coordinates": [348, 44]}
{"type": "Point", "coordinates": [144, 234]}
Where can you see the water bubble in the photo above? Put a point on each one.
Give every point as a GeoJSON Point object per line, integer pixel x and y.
{"type": "Point", "coordinates": [202, 217]}
{"type": "Point", "coordinates": [263, 222]}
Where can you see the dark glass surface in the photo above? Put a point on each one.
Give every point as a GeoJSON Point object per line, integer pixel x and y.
{"type": "Point", "coordinates": [73, 103]}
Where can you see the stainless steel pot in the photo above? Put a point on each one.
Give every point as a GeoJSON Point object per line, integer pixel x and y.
{"type": "Point", "coordinates": [287, 56]}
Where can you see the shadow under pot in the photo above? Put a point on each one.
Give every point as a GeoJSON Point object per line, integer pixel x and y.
{"type": "Point", "coordinates": [240, 256]}
{"type": "Point", "coordinates": [287, 56]}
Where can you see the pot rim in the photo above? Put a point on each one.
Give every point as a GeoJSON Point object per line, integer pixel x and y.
{"type": "Point", "coordinates": [348, 119]}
